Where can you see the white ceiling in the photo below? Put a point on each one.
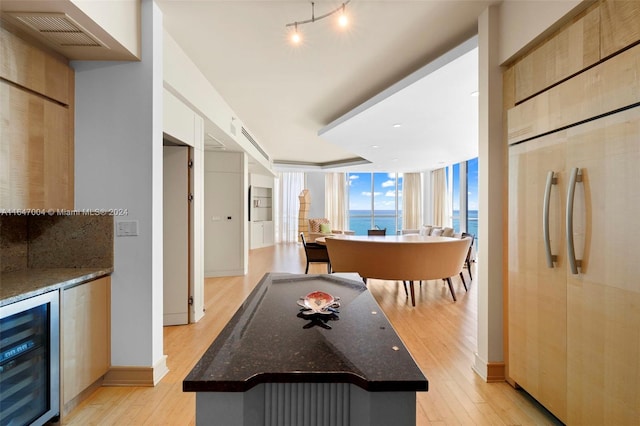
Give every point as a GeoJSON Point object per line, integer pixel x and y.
{"type": "Point", "coordinates": [286, 95]}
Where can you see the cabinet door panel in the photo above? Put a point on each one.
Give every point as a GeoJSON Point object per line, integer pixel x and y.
{"type": "Point", "coordinates": [86, 320]}
{"type": "Point", "coordinates": [537, 293]}
{"type": "Point", "coordinates": [603, 339]}
{"type": "Point", "coordinates": [37, 151]}
{"type": "Point", "coordinates": [620, 25]}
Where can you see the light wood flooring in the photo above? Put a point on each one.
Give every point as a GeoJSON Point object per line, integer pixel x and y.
{"type": "Point", "coordinates": [439, 333]}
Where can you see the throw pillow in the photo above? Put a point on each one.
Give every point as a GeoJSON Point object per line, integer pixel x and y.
{"type": "Point", "coordinates": [325, 228]}
{"type": "Point", "coordinates": [425, 230]}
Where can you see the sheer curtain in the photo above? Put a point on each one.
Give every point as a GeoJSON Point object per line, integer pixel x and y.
{"type": "Point", "coordinates": [287, 188]}
{"type": "Point", "coordinates": [441, 212]}
{"type": "Point", "coordinates": [411, 200]}
{"type": "Point", "coordinates": [335, 196]}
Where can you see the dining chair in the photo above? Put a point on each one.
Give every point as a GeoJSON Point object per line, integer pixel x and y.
{"type": "Point", "coordinates": [377, 232]}
{"type": "Point", "coordinates": [315, 253]}
{"type": "Point", "coordinates": [467, 261]}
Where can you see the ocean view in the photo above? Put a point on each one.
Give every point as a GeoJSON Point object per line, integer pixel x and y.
{"type": "Point", "coordinates": [360, 221]}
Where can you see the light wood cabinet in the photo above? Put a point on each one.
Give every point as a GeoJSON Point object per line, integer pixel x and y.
{"type": "Point", "coordinates": [574, 336]}
{"type": "Point", "coordinates": [620, 25]}
{"type": "Point", "coordinates": [37, 156]}
{"type": "Point", "coordinates": [36, 128]}
{"type": "Point", "coordinates": [537, 293]}
{"type": "Point", "coordinates": [86, 336]}
{"type": "Point", "coordinates": [31, 67]}
{"type": "Point", "coordinates": [605, 28]}
{"type": "Point", "coordinates": [570, 50]}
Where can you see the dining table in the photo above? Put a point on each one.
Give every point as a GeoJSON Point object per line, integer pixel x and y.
{"type": "Point", "coordinates": [405, 238]}
{"type": "Point", "coordinates": [406, 258]}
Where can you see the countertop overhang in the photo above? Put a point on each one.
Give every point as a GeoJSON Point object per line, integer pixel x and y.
{"type": "Point", "coordinates": [26, 283]}
{"type": "Point", "coordinates": [266, 341]}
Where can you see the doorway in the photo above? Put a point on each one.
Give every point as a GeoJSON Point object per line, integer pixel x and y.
{"type": "Point", "coordinates": [177, 232]}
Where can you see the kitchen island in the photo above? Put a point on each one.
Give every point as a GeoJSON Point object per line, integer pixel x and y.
{"type": "Point", "coordinates": [274, 365]}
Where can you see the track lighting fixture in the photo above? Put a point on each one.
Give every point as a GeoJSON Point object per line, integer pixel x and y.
{"type": "Point", "coordinates": [343, 20]}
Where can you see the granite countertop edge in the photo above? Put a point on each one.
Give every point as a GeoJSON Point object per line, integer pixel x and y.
{"type": "Point", "coordinates": [24, 284]}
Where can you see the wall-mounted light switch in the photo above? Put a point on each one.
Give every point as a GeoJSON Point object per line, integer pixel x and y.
{"type": "Point", "coordinates": [127, 228]}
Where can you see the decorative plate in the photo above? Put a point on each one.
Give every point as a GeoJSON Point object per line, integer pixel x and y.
{"type": "Point", "coordinates": [318, 302]}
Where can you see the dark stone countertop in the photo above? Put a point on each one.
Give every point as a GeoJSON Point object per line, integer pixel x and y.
{"type": "Point", "coordinates": [26, 283]}
{"type": "Point", "coordinates": [266, 342]}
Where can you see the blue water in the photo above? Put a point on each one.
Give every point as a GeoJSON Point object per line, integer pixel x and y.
{"type": "Point", "coordinates": [361, 220]}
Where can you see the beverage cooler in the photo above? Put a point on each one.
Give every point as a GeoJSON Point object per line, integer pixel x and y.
{"type": "Point", "coordinates": [29, 361]}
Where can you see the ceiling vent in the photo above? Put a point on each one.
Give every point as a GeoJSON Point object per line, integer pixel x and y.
{"type": "Point", "coordinates": [253, 142]}
{"type": "Point", "coordinates": [58, 28]}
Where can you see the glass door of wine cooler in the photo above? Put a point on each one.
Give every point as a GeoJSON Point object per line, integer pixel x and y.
{"type": "Point", "coordinates": [29, 361]}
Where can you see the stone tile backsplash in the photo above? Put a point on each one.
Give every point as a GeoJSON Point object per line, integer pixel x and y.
{"type": "Point", "coordinates": [80, 241]}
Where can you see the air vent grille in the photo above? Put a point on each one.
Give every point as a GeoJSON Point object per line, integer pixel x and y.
{"type": "Point", "coordinates": [59, 29]}
{"type": "Point", "coordinates": [254, 143]}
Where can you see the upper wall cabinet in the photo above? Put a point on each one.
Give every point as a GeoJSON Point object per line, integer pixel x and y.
{"type": "Point", "coordinates": [568, 51]}
{"type": "Point", "coordinates": [620, 25]}
{"type": "Point", "coordinates": [36, 127]}
{"type": "Point", "coordinates": [603, 29]}
{"type": "Point", "coordinates": [32, 68]}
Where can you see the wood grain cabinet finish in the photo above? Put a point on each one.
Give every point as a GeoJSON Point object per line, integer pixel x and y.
{"type": "Point", "coordinates": [574, 337]}
{"type": "Point", "coordinates": [86, 349]}
{"type": "Point", "coordinates": [36, 127]}
{"type": "Point", "coordinates": [602, 30]}
{"type": "Point", "coordinates": [620, 25]}
{"type": "Point", "coordinates": [567, 52]}
{"type": "Point", "coordinates": [38, 71]}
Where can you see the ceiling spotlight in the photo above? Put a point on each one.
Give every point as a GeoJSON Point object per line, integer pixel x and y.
{"type": "Point", "coordinates": [397, 125]}
{"type": "Point", "coordinates": [474, 94]}
{"type": "Point", "coordinates": [343, 21]}
{"type": "Point", "coordinates": [296, 38]}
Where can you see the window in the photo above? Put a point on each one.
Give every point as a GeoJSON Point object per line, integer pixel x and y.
{"type": "Point", "coordinates": [462, 185]}
{"type": "Point", "coordinates": [375, 201]}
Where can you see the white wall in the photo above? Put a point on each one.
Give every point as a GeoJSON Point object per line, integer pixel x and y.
{"type": "Point", "coordinates": [184, 79]}
{"type": "Point", "coordinates": [315, 185]}
{"type": "Point", "coordinates": [118, 164]}
{"type": "Point", "coordinates": [225, 214]}
{"type": "Point", "coordinates": [121, 19]}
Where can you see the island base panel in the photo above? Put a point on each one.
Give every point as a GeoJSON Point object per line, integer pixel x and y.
{"type": "Point", "coordinates": [306, 404]}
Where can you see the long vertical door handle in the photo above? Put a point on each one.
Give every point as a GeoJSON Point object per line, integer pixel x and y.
{"type": "Point", "coordinates": [551, 180]}
{"type": "Point", "coordinates": [575, 177]}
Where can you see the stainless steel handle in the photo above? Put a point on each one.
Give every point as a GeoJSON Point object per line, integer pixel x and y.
{"type": "Point", "coordinates": [551, 180]}
{"type": "Point", "coordinates": [576, 176]}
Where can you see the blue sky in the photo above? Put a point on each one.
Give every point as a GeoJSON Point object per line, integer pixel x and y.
{"type": "Point", "coordinates": [384, 191]}
{"type": "Point", "coordinates": [472, 186]}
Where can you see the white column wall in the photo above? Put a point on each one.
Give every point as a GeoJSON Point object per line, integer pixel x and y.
{"type": "Point", "coordinates": [492, 172]}
{"type": "Point", "coordinates": [118, 164]}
